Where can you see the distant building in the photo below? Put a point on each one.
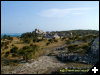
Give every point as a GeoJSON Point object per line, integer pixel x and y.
{"type": "Point", "coordinates": [56, 36]}
{"type": "Point", "coordinates": [39, 31]}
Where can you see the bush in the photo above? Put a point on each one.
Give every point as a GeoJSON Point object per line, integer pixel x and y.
{"type": "Point", "coordinates": [72, 48]}
{"type": "Point", "coordinates": [55, 40]}
{"type": "Point", "coordinates": [4, 37]}
{"type": "Point", "coordinates": [47, 43]}
{"type": "Point", "coordinates": [35, 40]}
{"type": "Point", "coordinates": [64, 38]}
{"type": "Point", "coordinates": [7, 37]}
{"type": "Point", "coordinates": [29, 36]}
{"type": "Point", "coordinates": [14, 54]}
{"type": "Point", "coordinates": [6, 47]}
{"type": "Point", "coordinates": [35, 47]}
{"type": "Point", "coordinates": [7, 53]}
{"type": "Point", "coordinates": [12, 44]}
{"type": "Point", "coordinates": [26, 40]}
{"type": "Point", "coordinates": [2, 44]}
{"type": "Point", "coordinates": [82, 48]}
{"type": "Point", "coordinates": [85, 47]}
{"type": "Point", "coordinates": [84, 39]}
{"type": "Point", "coordinates": [28, 51]}
{"type": "Point", "coordinates": [51, 40]}
{"type": "Point", "coordinates": [68, 42]}
{"type": "Point", "coordinates": [14, 50]}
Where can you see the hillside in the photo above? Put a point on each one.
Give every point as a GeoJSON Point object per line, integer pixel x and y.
{"type": "Point", "coordinates": [55, 50]}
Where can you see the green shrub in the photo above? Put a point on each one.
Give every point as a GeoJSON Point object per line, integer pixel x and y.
{"type": "Point", "coordinates": [7, 37]}
{"type": "Point", "coordinates": [81, 48]}
{"type": "Point", "coordinates": [2, 44]}
{"type": "Point", "coordinates": [51, 40]}
{"type": "Point", "coordinates": [12, 44]}
{"type": "Point", "coordinates": [26, 40]}
{"type": "Point", "coordinates": [14, 54]}
{"type": "Point", "coordinates": [35, 40]}
{"type": "Point", "coordinates": [28, 51]}
{"type": "Point", "coordinates": [55, 40]}
{"type": "Point", "coordinates": [35, 47]}
{"type": "Point", "coordinates": [68, 42]}
{"type": "Point", "coordinates": [72, 48]}
{"type": "Point", "coordinates": [7, 53]}
{"type": "Point", "coordinates": [6, 47]}
{"type": "Point", "coordinates": [14, 50]}
{"type": "Point", "coordinates": [26, 37]}
{"type": "Point", "coordinates": [47, 43]}
{"type": "Point", "coordinates": [85, 47]}
{"type": "Point", "coordinates": [63, 38]}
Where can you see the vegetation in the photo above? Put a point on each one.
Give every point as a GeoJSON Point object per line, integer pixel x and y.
{"type": "Point", "coordinates": [26, 37]}
{"type": "Point", "coordinates": [30, 46]}
{"type": "Point", "coordinates": [81, 48]}
{"type": "Point", "coordinates": [7, 54]}
{"type": "Point", "coordinates": [6, 47]}
{"type": "Point", "coordinates": [14, 50]}
{"type": "Point", "coordinates": [64, 38]}
{"type": "Point", "coordinates": [51, 41]}
{"type": "Point", "coordinates": [27, 52]}
{"type": "Point", "coordinates": [7, 37]}
{"type": "Point", "coordinates": [5, 43]}
{"type": "Point", "coordinates": [68, 41]}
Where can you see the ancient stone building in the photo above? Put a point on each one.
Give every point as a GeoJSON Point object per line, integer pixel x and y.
{"type": "Point", "coordinates": [39, 31]}
{"type": "Point", "coordinates": [56, 36]}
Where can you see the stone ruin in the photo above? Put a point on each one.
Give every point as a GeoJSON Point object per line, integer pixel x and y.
{"type": "Point", "coordinates": [39, 31]}
{"type": "Point", "coordinates": [47, 34]}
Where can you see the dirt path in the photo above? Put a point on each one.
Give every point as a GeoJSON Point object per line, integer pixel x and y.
{"type": "Point", "coordinates": [45, 64]}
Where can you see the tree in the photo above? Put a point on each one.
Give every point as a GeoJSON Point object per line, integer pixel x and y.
{"type": "Point", "coordinates": [28, 51]}
{"type": "Point", "coordinates": [4, 37]}
{"type": "Point", "coordinates": [26, 37]}
{"type": "Point", "coordinates": [7, 37]}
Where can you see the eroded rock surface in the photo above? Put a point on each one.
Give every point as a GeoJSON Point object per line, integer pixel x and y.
{"type": "Point", "coordinates": [45, 64]}
{"type": "Point", "coordinates": [91, 57]}
{"type": "Point", "coordinates": [94, 51]}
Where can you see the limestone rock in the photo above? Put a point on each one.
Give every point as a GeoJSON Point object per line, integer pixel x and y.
{"type": "Point", "coordinates": [91, 57]}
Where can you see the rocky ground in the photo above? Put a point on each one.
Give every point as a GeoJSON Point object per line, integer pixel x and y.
{"type": "Point", "coordinates": [90, 58]}
{"type": "Point", "coordinates": [43, 65]}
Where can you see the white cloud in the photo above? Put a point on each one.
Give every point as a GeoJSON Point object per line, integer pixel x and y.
{"type": "Point", "coordinates": [62, 12]}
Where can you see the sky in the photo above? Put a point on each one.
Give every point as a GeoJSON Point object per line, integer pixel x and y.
{"type": "Point", "coordinates": [25, 16]}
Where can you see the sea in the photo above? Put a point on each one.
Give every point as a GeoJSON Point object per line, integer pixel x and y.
{"type": "Point", "coordinates": [11, 34]}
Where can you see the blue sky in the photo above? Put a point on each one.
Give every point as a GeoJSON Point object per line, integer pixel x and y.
{"type": "Point", "coordinates": [25, 16]}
